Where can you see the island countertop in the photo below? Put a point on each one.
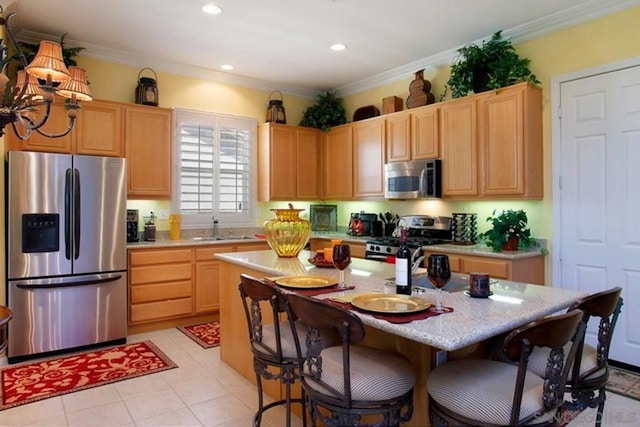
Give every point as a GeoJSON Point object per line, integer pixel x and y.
{"type": "Point", "coordinates": [473, 320]}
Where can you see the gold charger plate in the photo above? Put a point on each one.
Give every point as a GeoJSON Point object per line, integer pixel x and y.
{"type": "Point", "coordinates": [390, 303]}
{"type": "Point", "coordinates": [306, 282]}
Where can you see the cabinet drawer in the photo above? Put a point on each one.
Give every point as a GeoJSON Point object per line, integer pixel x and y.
{"type": "Point", "coordinates": [159, 257]}
{"type": "Point", "coordinates": [160, 292]}
{"type": "Point", "coordinates": [495, 268]}
{"type": "Point", "coordinates": [455, 263]}
{"type": "Point", "coordinates": [206, 253]}
{"type": "Point", "coordinates": [160, 273]}
{"type": "Point", "coordinates": [248, 247]}
{"type": "Point", "coordinates": [160, 310]}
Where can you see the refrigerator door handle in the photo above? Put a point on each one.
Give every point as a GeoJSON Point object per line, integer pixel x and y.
{"type": "Point", "coordinates": [76, 209]}
{"type": "Point", "coordinates": [67, 214]}
{"type": "Point", "coordinates": [69, 284]}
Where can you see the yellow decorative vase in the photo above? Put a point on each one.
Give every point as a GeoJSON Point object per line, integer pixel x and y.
{"type": "Point", "coordinates": [287, 233]}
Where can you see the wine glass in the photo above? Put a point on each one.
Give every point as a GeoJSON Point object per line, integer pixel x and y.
{"type": "Point", "coordinates": [341, 260]}
{"type": "Point", "coordinates": [439, 274]}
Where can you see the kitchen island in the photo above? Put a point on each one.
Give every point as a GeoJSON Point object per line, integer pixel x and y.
{"type": "Point", "coordinates": [472, 322]}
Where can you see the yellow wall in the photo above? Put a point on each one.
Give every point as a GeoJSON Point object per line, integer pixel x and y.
{"type": "Point", "coordinates": [602, 41]}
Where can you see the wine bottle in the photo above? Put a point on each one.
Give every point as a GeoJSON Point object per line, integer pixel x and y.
{"type": "Point", "coordinates": [403, 269]}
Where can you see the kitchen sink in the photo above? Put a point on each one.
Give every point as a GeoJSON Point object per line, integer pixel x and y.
{"type": "Point", "coordinates": [208, 239]}
{"type": "Point", "coordinates": [457, 283]}
{"type": "Point", "coordinates": [229, 237]}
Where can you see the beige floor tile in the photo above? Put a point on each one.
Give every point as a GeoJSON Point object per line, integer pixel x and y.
{"type": "Point", "coordinates": [181, 417]}
{"type": "Point", "coordinates": [185, 374]}
{"type": "Point", "coordinates": [111, 414]}
{"type": "Point", "coordinates": [32, 412]}
{"type": "Point", "coordinates": [142, 385]}
{"type": "Point", "coordinates": [89, 398]}
{"type": "Point", "coordinates": [151, 404]}
{"type": "Point", "coordinates": [192, 392]}
{"type": "Point", "coordinates": [50, 422]}
{"type": "Point", "coordinates": [218, 412]}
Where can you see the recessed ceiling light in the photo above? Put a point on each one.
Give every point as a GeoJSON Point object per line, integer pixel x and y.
{"type": "Point", "coordinates": [227, 67]}
{"type": "Point", "coordinates": [211, 9]}
{"type": "Point", "coordinates": [338, 47]}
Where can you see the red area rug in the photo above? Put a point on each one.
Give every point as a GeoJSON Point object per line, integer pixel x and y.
{"type": "Point", "coordinates": [31, 381]}
{"type": "Point", "coordinates": [205, 334]}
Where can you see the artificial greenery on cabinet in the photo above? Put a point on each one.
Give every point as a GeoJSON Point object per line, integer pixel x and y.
{"type": "Point", "coordinates": [328, 111]}
{"type": "Point", "coordinates": [492, 65]}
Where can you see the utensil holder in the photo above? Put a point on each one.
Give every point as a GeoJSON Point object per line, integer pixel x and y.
{"type": "Point", "coordinates": [464, 229]}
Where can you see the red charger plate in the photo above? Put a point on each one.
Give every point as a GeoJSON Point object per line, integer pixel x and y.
{"type": "Point", "coordinates": [321, 264]}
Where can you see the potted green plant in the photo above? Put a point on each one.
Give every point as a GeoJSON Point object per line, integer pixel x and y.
{"type": "Point", "coordinates": [509, 231]}
{"type": "Point", "coordinates": [326, 112]}
{"type": "Point", "coordinates": [492, 65]}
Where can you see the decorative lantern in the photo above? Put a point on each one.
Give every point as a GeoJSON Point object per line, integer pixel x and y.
{"type": "Point", "coordinates": [147, 89]}
{"type": "Point", "coordinates": [275, 111]}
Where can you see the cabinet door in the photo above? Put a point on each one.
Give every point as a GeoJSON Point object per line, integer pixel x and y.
{"type": "Point", "coordinates": [277, 160]}
{"type": "Point", "coordinates": [307, 163]}
{"type": "Point", "coordinates": [511, 143]}
{"type": "Point", "coordinates": [100, 129]}
{"type": "Point", "coordinates": [207, 286]}
{"type": "Point", "coordinates": [459, 148]}
{"type": "Point", "coordinates": [424, 133]}
{"type": "Point", "coordinates": [148, 148]}
{"type": "Point", "coordinates": [398, 137]}
{"type": "Point", "coordinates": [368, 158]}
{"type": "Point", "coordinates": [56, 123]}
{"type": "Point", "coordinates": [338, 163]}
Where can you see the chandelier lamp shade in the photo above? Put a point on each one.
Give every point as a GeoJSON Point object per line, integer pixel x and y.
{"type": "Point", "coordinates": [26, 104]}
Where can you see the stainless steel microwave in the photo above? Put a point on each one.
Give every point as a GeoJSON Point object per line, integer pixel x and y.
{"type": "Point", "coordinates": [418, 179]}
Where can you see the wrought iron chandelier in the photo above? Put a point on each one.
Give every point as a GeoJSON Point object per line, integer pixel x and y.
{"type": "Point", "coordinates": [36, 86]}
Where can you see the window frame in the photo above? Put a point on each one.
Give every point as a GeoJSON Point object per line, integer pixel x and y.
{"type": "Point", "coordinates": [217, 121]}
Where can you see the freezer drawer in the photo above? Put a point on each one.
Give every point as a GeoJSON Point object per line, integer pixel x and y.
{"type": "Point", "coordinates": [63, 313]}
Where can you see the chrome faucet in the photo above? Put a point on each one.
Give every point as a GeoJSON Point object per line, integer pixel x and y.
{"type": "Point", "coordinates": [215, 227]}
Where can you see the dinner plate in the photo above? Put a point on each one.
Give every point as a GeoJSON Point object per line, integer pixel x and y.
{"type": "Point", "coordinates": [390, 303]}
{"type": "Point", "coordinates": [306, 282]}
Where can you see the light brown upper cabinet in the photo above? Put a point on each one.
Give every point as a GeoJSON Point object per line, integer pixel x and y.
{"type": "Point", "coordinates": [459, 148]}
{"type": "Point", "coordinates": [510, 138]}
{"type": "Point", "coordinates": [338, 163]}
{"type": "Point", "coordinates": [288, 162]}
{"type": "Point", "coordinates": [368, 158]}
{"type": "Point", "coordinates": [98, 131]}
{"type": "Point", "coordinates": [148, 149]}
{"type": "Point", "coordinates": [491, 145]}
{"type": "Point", "coordinates": [413, 134]}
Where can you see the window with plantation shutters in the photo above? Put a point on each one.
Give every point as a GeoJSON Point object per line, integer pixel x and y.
{"type": "Point", "coordinates": [212, 164]}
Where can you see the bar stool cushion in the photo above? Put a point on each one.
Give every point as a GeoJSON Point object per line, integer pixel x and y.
{"type": "Point", "coordinates": [375, 374]}
{"type": "Point", "coordinates": [482, 390]}
{"type": "Point", "coordinates": [538, 361]}
{"type": "Point", "coordinates": [286, 338]}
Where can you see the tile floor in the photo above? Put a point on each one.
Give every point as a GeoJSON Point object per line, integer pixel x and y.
{"type": "Point", "coordinates": [202, 391]}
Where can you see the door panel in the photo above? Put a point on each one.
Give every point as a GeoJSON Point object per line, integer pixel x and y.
{"type": "Point", "coordinates": [600, 237]}
{"type": "Point", "coordinates": [102, 211]}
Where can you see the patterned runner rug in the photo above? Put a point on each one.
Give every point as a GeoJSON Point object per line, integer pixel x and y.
{"type": "Point", "coordinates": [624, 382]}
{"type": "Point", "coordinates": [32, 381]}
{"type": "Point", "coordinates": [205, 334]}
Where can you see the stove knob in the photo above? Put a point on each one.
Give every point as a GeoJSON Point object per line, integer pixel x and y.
{"type": "Point", "coordinates": [388, 250]}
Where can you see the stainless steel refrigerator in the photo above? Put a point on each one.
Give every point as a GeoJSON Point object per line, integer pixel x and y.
{"type": "Point", "coordinates": [66, 252]}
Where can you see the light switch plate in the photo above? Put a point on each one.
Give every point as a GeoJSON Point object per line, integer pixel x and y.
{"type": "Point", "coordinates": [163, 215]}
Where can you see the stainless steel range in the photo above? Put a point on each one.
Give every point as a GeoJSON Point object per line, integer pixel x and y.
{"type": "Point", "coordinates": [422, 230]}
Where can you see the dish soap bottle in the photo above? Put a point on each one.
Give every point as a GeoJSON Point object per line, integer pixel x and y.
{"type": "Point", "coordinates": [403, 269]}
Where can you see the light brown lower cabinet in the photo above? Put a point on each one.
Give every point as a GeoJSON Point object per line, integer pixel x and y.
{"type": "Point", "coordinates": [167, 284]}
{"type": "Point", "coordinates": [527, 270]}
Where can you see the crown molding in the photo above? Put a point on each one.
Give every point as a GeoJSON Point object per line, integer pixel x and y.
{"type": "Point", "coordinates": [576, 15]}
{"type": "Point", "coordinates": [582, 13]}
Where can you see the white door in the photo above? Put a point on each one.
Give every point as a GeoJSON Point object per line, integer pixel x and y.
{"type": "Point", "coordinates": [599, 175]}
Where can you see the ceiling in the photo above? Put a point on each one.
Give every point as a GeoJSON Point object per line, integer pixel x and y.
{"type": "Point", "coordinates": [284, 44]}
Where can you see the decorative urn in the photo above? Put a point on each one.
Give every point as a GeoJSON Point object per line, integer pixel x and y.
{"type": "Point", "coordinates": [287, 234]}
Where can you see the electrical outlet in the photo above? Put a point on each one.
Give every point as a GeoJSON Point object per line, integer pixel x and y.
{"type": "Point", "coordinates": [163, 215]}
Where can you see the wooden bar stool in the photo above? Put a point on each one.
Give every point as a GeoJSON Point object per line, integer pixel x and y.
{"type": "Point", "coordinates": [485, 392]}
{"type": "Point", "coordinates": [346, 382]}
{"type": "Point", "coordinates": [272, 344]}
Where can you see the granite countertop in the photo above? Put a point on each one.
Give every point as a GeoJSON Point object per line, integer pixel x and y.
{"type": "Point", "coordinates": [473, 320]}
{"type": "Point", "coordinates": [164, 243]}
{"type": "Point", "coordinates": [483, 250]}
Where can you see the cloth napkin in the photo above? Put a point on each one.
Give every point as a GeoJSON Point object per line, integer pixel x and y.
{"type": "Point", "coordinates": [392, 317]}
